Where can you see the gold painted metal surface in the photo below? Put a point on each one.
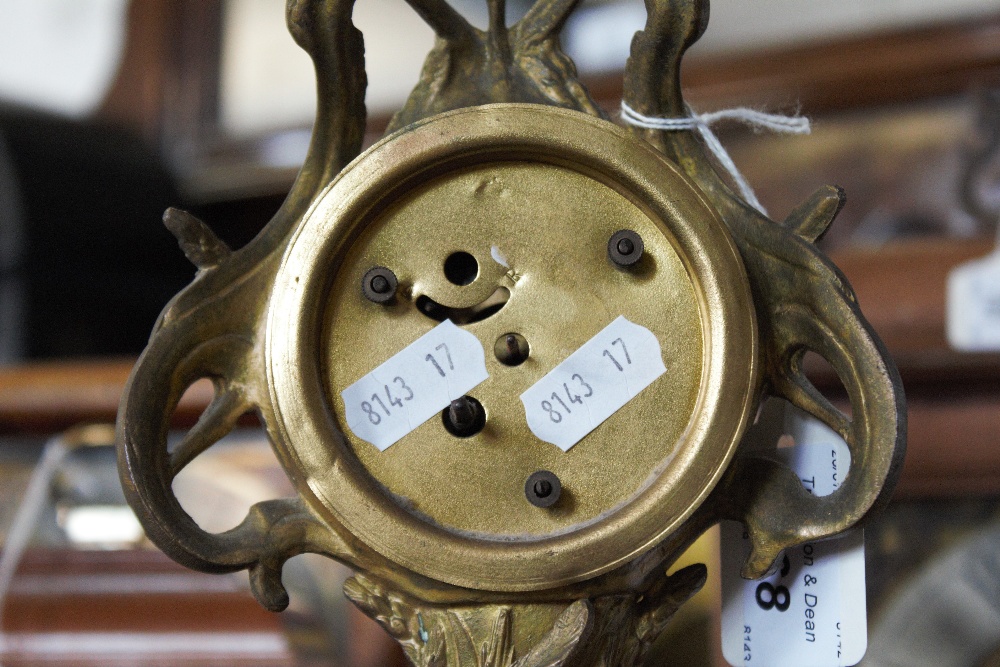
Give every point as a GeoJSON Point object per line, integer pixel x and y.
{"type": "Point", "coordinates": [498, 178]}
{"type": "Point", "coordinates": [455, 569]}
{"type": "Point", "coordinates": [541, 217]}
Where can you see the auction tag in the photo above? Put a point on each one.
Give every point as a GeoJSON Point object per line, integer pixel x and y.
{"type": "Point", "coordinates": [414, 385]}
{"type": "Point", "coordinates": [974, 305]}
{"type": "Point", "coordinates": [812, 611]}
{"type": "Point", "coordinates": [593, 383]}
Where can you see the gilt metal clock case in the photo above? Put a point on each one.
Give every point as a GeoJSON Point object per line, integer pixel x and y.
{"type": "Point", "coordinates": [501, 157]}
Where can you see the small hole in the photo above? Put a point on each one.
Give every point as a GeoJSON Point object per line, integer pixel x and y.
{"type": "Point", "coordinates": [461, 268]}
{"type": "Point", "coordinates": [821, 373]}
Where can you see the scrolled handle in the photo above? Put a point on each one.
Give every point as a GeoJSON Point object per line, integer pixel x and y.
{"type": "Point", "coordinates": [777, 510]}
{"type": "Point", "coordinates": [210, 331]}
{"type": "Point", "coordinates": [272, 532]}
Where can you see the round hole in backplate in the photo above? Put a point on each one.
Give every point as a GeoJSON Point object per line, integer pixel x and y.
{"type": "Point", "coordinates": [461, 268]}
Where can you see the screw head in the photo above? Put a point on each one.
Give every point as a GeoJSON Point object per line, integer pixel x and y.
{"type": "Point", "coordinates": [379, 285]}
{"type": "Point", "coordinates": [543, 489]}
{"type": "Point", "coordinates": [511, 349]}
{"type": "Point", "coordinates": [462, 413]}
{"type": "Point", "coordinates": [625, 248]}
{"type": "Point", "coordinates": [464, 417]}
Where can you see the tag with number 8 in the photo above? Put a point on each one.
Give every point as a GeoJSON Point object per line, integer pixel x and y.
{"type": "Point", "coordinates": [974, 305]}
{"type": "Point", "coordinates": [811, 612]}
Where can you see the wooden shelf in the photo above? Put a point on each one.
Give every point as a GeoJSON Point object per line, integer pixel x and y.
{"type": "Point", "coordinates": [112, 608]}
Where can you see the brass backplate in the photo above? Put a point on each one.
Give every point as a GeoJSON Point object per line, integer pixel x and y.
{"type": "Point", "coordinates": [544, 190]}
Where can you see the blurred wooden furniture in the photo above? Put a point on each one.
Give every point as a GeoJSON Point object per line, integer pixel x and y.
{"type": "Point", "coordinates": [953, 397]}
{"type": "Point", "coordinates": [118, 608]}
{"type": "Point", "coordinates": [168, 86]}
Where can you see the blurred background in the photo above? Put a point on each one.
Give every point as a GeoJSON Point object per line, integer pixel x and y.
{"type": "Point", "coordinates": [113, 110]}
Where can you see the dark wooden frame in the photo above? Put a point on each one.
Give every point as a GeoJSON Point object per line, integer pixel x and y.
{"type": "Point", "coordinates": [168, 87]}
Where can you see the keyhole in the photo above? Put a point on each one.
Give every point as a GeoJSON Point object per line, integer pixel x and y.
{"type": "Point", "coordinates": [461, 268]}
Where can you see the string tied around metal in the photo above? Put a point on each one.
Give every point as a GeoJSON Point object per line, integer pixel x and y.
{"type": "Point", "coordinates": [702, 123]}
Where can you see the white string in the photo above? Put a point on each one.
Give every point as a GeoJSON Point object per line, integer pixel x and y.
{"type": "Point", "coordinates": [25, 520]}
{"type": "Point", "coordinates": [703, 122]}
{"type": "Point", "coordinates": [996, 243]}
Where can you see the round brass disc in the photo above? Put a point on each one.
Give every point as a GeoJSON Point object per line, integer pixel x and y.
{"type": "Point", "coordinates": [531, 195]}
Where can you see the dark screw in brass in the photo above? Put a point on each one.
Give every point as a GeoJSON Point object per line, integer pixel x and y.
{"type": "Point", "coordinates": [511, 349]}
{"type": "Point", "coordinates": [543, 489]}
{"type": "Point", "coordinates": [464, 417]}
{"type": "Point", "coordinates": [379, 285]}
{"type": "Point", "coordinates": [461, 413]}
{"type": "Point", "coordinates": [625, 248]}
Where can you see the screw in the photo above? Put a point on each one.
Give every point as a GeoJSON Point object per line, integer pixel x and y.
{"type": "Point", "coordinates": [379, 285]}
{"type": "Point", "coordinates": [462, 413]}
{"type": "Point", "coordinates": [543, 489]}
{"type": "Point", "coordinates": [625, 248]}
{"type": "Point", "coordinates": [464, 417]}
{"type": "Point", "coordinates": [511, 349]}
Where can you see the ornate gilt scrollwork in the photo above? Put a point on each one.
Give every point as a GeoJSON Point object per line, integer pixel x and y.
{"type": "Point", "coordinates": [220, 328]}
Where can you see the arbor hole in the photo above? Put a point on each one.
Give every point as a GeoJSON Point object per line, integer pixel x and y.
{"type": "Point", "coordinates": [461, 268]}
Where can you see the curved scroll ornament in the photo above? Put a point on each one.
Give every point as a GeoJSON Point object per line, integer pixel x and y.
{"type": "Point", "coordinates": [803, 304]}
{"type": "Point", "coordinates": [215, 329]}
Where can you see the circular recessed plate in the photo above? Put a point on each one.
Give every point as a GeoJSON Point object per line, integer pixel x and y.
{"type": "Point", "coordinates": [500, 216]}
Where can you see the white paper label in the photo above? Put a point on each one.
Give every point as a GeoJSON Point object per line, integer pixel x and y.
{"type": "Point", "coordinates": [593, 383]}
{"type": "Point", "coordinates": [414, 385]}
{"type": "Point", "coordinates": [812, 612]}
{"type": "Point", "coordinates": [974, 305]}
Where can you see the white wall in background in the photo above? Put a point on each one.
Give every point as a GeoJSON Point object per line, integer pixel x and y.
{"type": "Point", "coordinates": [268, 80]}
{"type": "Point", "coordinates": [60, 55]}
{"type": "Point", "coordinates": [598, 36]}
{"type": "Point", "coordinates": [741, 23]}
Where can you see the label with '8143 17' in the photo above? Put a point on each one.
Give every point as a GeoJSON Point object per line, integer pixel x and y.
{"type": "Point", "coordinates": [593, 383]}
{"type": "Point", "coordinates": [414, 385]}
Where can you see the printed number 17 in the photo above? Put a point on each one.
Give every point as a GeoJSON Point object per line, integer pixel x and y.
{"type": "Point", "coordinates": [628, 359]}
{"type": "Point", "coordinates": [430, 358]}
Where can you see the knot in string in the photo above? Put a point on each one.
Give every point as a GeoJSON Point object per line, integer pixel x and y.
{"type": "Point", "coordinates": [703, 122]}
